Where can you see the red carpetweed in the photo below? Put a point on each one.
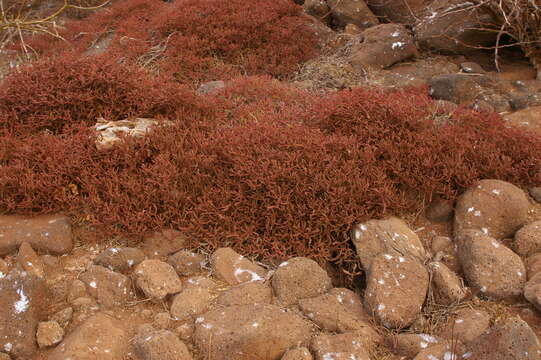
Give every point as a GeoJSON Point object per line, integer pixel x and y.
{"type": "Point", "coordinates": [195, 41]}
{"type": "Point", "coordinates": [270, 170]}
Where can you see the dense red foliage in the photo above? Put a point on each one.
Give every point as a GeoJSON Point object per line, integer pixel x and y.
{"type": "Point", "coordinates": [53, 94]}
{"type": "Point", "coordinates": [270, 170]}
{"type": "Point", "coordinates": [197, 40]}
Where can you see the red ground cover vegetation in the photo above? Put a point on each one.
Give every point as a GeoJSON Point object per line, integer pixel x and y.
{"type": "Point", "coordinates": [196, 40]}
{"type": "Point", "coordinates": [270, 170]}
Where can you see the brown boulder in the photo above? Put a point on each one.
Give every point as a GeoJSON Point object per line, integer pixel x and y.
{"type": "Point", "coordinates": [49, 333]}
{"type": "Point", "coordinates": [121, 259]}
{"type": "Point", "coordinates": [456, 88]}
{"type": "Point", "coordinates": [530, 119]}
{"type": "Point", "coordinates": [339, 347]}
{"type": "Point", "coordinates": [291, 283]}
{"type": "Point", "coordinates": [62, 317]}
{"type": "Point", "coordinates": [390, 236]}
{"type": "Point", "coordinates": [340, 310]}
{"type": "Point", "coordinates": [497, 208]}
{"type": "Point", "coordinates": [22, 304]}
{"type": "Point", "coordinates": [235, 269]}
{"type": "Point", "coordinates": [163, 243]}
{"type": "Point", "coordinates": [528, 239]}
{"type": "Point", "coordinates": [532, 290]}
{"type": "Point", "coordinates": [510, 339]}
{"type": "Point", "coordinates": [533, 264]}
{"type": "Point", "coordinates": [109, 288]}
{"type": "Point", "coordinates": [247, 332]}
{"type": "Point", "coordinates": [190, 302]}
{"type": "Point", "coordinates": [391, 275]}
{"type": "Point", "coordinates": [466, 325]}
{"type": "Point", "coordinates": [535, 192]}
{"type": "Point", "coordinates": [301, 353]}
{"type": "Point", "coordinates": [46, 233]}
{"type": "Point", "coordinates": [352, 12]}
{"type": "Point", "coordinates": [405, 12]}
{"type": "Point", "coordinates": [255, 292]}
{"type": "Point", "coordinates": [162, 345]}
{"type": "Point", "coordinates": [157, 279]}
{"type": "Point", "coordinates": [383, 45]}
{"type": "Point", "coordinates": [410, 345]}
{"type": "Point", "coordinates": [4, 268]}
{"type": "Point", "coordinates": [440, 210]}
{"type": "Point", "coordinates": [489, 266]}
{"type": "Point", "coordinates": [447, 287]}
{"type": "Point", "coordinates": [318, 9]}
{"type": "Point", "coordinates": [30, 261]}
{"type": "Point", "coordinates": [452, 26]}
{"type": "Point", "coordinates": [99, 337]}
{"type": "Point", "coordinates": [187, 263]}
{"type": "Point", "coordinates": [443, 351]}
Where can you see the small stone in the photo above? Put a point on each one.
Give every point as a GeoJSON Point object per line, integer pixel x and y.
{"type": "Point", "coordinates": [290, 283]}
{"type": "Point", "coordinates": [23, 302]}
{"type": "Point", "coordinates": [318, 9]}
{"type": "Point", "coordinates": [409, 345]}
{"type": "Point", "coordinates": [109, 288]}
{"type": "Point", "coordinates": [202, 282]}
{"type": "Point", "coordinates": [472, 68]}
{"type": "Point", "coordinates": [466, 325]}
{"type": "Point", "coordinates": [255, 292]}
{"type": "Point", "coordinates": [301, 353]}
{"type": "Point", "coordinates": [340, 310]}
{"type": "Point", "coordinates": [441, 243]}
{"type": "Point", "coordinates": [62, 317]}
{"type": "Point", "coordinates": [157, 279]}
{"type": "Point", "coordinates": [46, 233]}
{"type": "Point", "coordinates": [121, 259]}
{"type": "Point", "coordinates": [49, 333]}
{"type": "Point", "coordinates": [528, 239]}
{"type": "Point", "coordinates": [440, 210]}
{"type": "Point", "coordinates": [162, 345]}
{"type": "Point", "coordinates": [162, 320]}
{"type": "Point", "coordinates": [494, 207]}
{"type": "Point", "coordinates": [30, 261]}
{"type": "Point", "coordinates": [535, 193]}
{"type": "Point", "coordinates": [77, 290]}
{"type": "Point", "coordinates": [163, 243]}
{"type": "Point", "coordinates": [390, 236]}
{"type": "Point", "coordinates": [383, 46]}
{"type": "Point", "coordinates": [533, 264]}
{"type": "Point", "coordinates": [489, 266]}
{"type": "Point", "coordinates": [532, 290]}
{"type": "Point", "coordinates": [509, 339]}
{"type": "Point", "coordinates": [235, 269]}
{"type": "Point", "coordinates": [190, 302]}
{"type": "Point", "coordinates": [99, 337]}
{"type": "Point", "coordinates": [446, 285]}
{"type": "Point", "coordinates": [4, 268]}
{"type": "Point", "coordinates": [390, 275]}
{"type": "Point", "coordinates": [187, 263]}
{"type": "Point", "coordinates": [443, 351]}
{"type": "Point", "coordinates": [346, 346]}
{"type": "Point", "coordinates": [185, 331]}
{"type": "Point", "coordinates": [352, 12]}
{"type": "Point", "coordinates": [257, 331]}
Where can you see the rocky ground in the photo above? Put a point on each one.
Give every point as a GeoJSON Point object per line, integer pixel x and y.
{"type": "Point", "coordinates": [461, 281]}
{"type": "Point", "coordinates": [426, 294]}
